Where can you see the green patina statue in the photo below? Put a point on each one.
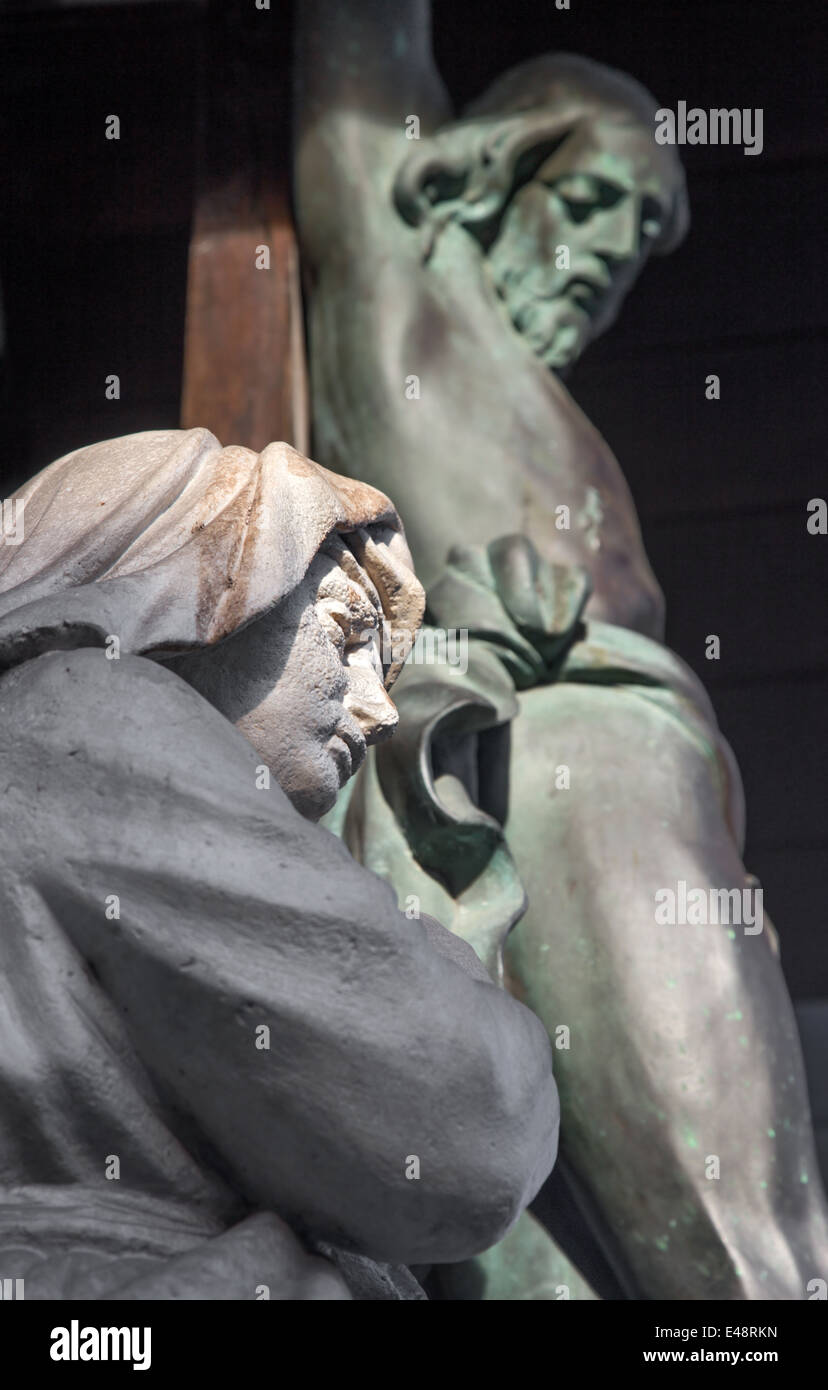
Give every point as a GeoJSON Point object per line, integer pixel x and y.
{"type": "Point", "coordinates": [456, 268]}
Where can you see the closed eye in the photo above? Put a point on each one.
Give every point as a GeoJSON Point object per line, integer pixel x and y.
{"type": "Point", "coordinates": [583, 195]}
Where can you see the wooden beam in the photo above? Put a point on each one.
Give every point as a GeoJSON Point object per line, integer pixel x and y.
{"type": "Point", "coordinates": [245, 374]}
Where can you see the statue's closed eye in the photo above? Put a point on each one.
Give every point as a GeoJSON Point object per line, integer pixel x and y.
{"type": "Point", "coordinates": [351, 626]}
{"type": "Point", "coordinates": [583, 194]}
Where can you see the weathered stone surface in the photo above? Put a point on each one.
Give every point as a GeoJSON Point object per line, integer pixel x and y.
{"type": "Point", "coordinates": [219, 1038]}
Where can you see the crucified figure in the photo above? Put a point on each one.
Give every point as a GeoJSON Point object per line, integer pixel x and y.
{"type": "Point", "coordinates": [456, 268]}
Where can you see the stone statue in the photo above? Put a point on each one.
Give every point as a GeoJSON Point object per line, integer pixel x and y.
{"type": "Point", "coordinates": [455, 269]}
{"type": "Point", "coordinates": [231, 1068]}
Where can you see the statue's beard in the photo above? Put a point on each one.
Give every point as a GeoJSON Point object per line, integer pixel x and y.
{"type": "Point", "coordinates": [556, 330]}
{"type": "Point", "coordinates": [556, 326]}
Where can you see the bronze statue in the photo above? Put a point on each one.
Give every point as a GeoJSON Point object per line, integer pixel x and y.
{"type": "Point", "coordinates": [455, 268]}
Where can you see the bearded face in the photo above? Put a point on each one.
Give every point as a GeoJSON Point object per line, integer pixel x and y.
{"type": "Point", "coordinates": [575, 237]}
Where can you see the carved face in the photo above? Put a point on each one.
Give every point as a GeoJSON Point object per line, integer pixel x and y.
{"type": "Point", "coordinates": [604, 195]}
{"type": "Point", "coordinates": [304, 683]}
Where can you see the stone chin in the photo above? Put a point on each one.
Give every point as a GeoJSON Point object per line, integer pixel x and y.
{"type": "Point", "coordinates": [314, 780]}
{"type": "Point", "coordinates": [313, 796]}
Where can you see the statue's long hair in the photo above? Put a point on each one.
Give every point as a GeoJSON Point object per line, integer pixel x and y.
{"type": "Point", "coordinates": [469, 171]}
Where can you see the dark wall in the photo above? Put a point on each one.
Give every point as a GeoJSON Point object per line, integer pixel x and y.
{"type": "Point", "coordinates": [93, 253]}
{"type": "Point", "coordinates": [94, 233]}
{"type": "Point", "coordinates": [93, 246]}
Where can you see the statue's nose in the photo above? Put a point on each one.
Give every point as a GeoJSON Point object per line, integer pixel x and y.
{"type": "Point", "coordinates": [370, 704]}
{"type": "Point", "coordinates": [618, 232]}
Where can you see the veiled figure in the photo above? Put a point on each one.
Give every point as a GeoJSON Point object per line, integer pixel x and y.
{"type": "Point", "coordinates": [229, 1067]}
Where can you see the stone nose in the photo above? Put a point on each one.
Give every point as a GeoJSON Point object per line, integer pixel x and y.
{"type": "Point", "coordinates": [367, 700]}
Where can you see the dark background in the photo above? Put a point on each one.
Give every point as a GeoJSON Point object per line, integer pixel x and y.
{"type": "Point", "coordinates": [93, 257]}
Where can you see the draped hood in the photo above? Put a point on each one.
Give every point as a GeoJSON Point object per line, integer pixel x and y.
{"type": "Point", "coordinates": [170, 541]}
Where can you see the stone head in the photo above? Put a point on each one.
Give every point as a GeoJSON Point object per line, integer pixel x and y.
{"type": "Point", "coordinates": [307, 682]}
{"type": "Point", "coordinates": [283, 593]}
